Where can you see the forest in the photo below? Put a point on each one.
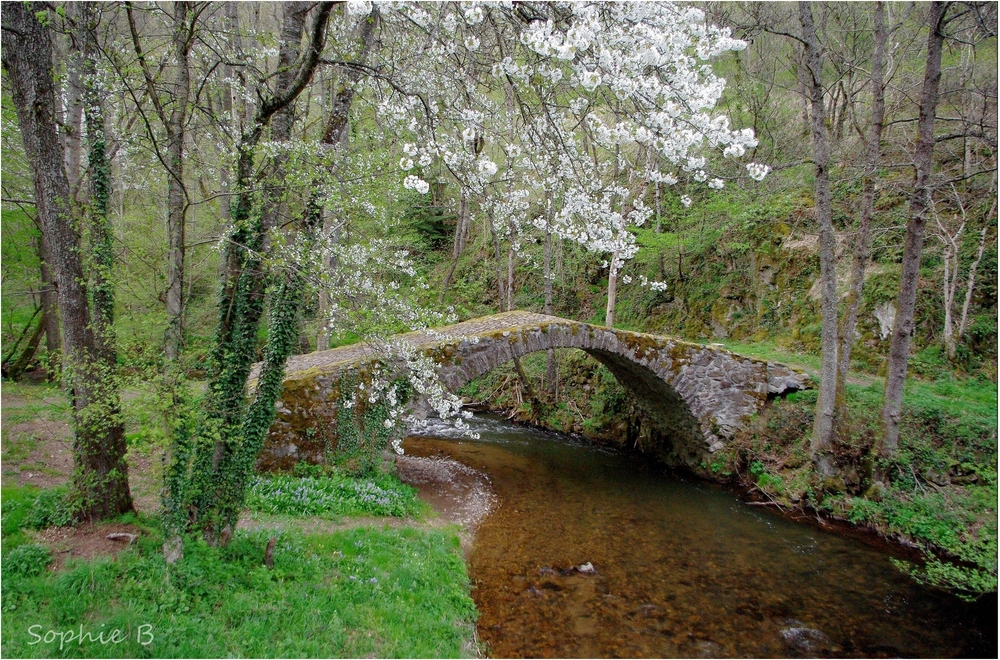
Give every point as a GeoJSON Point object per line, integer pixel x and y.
{"type": "Point", "coordinates": [190, 189]}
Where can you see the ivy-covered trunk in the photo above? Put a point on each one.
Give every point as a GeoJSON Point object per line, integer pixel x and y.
{"type": "Point", "coordinates": [100, 476]}
{"type": "Point", "coordinates": [213, 456]}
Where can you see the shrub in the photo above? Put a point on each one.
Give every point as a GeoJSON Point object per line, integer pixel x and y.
{"type": "Point", "coordinates": [51, 509]}
{"type": "Point", "coordinates": [26, 560]}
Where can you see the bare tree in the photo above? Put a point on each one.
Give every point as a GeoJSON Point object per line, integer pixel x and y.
{"type": "Point", "coordinates": [950, 237]}
{"type": "Point", "coordinates": [862, 244]}
{"type": "Point", "coordinates": [172, 110]}
{"type": "Point", "coordinates": [825, 406]}
{"type": "Point", "coordinates": [899, 349]}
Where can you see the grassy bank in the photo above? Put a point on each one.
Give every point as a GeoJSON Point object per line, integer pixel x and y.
{"type": "Point", "coordinates": [939, 491]}
{"type": "Point", "coordinates": [351, 593]}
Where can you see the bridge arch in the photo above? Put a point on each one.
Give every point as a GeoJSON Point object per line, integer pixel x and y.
{"type": "Point", "coordinates": [660, 400]}
{"type": "Point", "coordinates": [696, 396]}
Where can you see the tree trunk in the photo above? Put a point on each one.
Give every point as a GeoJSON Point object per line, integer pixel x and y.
{"type": "Point", "coordinates": [100, 476]}
{"type": "Point", "coordinates": [335, 136]}
{"type": "Point", "coordinates": [550, 355]}
{"type": "Point", "coordinates": [609, 312]}
{"type": "Point", "coordinates": [15, 370]}
{"type": "Point", "coordinates": [461, 229]}
{"type": "Point", "coordinates": [863, 244]}
{"type": "Point", "coordinates": [899, 350]}
{"type": "Point", "coordinates": [208, 474]}
{"type": "Point", "coordinates": [950, 284]}
{"type": "Point", "coordinates": [17, 342]}
{"type": "Point", "coordinates": [501, 293]}
{"type": "Point", "coordinates": [99, 170]}
{"type": "Point", "coordinates": [972, 276]}
{"type": "Point", "coordinates": [176, 190]}
{"type": "Point", "coordinates": [72, 127]}
{"type": "Point", "coordinates": [823, 424]}
{"type": "Point", "coordinates": [510, 269]}
{"type": "Point", "coordinates": [50, 307]}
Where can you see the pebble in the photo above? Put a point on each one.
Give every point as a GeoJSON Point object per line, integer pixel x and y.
{"type": "Point", "coordinates": [807, 640]}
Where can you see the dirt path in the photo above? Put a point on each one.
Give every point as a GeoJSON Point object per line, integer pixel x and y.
{"type": "Point", "coordinates": [38, 446]}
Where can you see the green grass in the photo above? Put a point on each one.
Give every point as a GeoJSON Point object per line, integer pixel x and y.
{"type": "Point", "coordinates": [353, 593]}
{"type": "Point", "coordinates": [17, 448]}
{"type": "Point", "coordinates": [333, 495]}
{"type": "Point", "coordinates": [361, 592]}
{"type": "Point", "coordinates": [768, 351]}
{"type": "Point", "coordinates": [16, 504]}
{"type": "Point", "coordinates": [42, 401]}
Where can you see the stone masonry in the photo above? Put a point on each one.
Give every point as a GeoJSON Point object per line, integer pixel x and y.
{"type": "Point", "coordinates": [696, 396]}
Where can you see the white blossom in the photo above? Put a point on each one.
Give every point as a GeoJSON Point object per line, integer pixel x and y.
{"type": "Point", "coordinates": [474, 14]}
{"type": "Point", "coordinates": [358, 7]}
{"type": "Point", "coordinates": [757, 171]}
{"type": "Point", "coordinates": [416, 183]}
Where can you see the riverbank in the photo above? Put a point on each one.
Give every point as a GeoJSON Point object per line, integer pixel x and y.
{"type": "Point", "coordinates": [938, 506]}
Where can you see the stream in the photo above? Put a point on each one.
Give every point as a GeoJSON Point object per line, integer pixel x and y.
{"type": "Point", "coordinates": [680, 568]}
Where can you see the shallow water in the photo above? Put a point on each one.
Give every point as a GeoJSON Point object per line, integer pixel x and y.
{"type": "Point", "coordinates": [683, 568]}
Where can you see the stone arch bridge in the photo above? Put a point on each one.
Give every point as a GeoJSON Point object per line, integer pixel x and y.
{"type": "Point", "coordinates": [695, 396]}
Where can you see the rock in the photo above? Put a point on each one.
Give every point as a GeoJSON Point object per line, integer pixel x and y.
{"type": "Point", "coordinates": [851, 478]}
{"type": "Point", "coordinates": [876, 492]}
{"type": "Point", "coordinates": [719, 331]}
{"type": "Point", "coordinates": [807, 640]}
{"type": "Point", "coordinates": [834, 484]}
{"type": "Point", "coordinates": [767, 275]}
{"type": "Point", "coordinates": [885, 314]}
{"type": "Point", "coordinates": [586, 569]}
{"type": "Point", "coordinates": [707, 649]}
{"type": "Point", "coordinates": [781, 379]}
{"type": "Point", "coordinates": [939, 477]}
{"type": "Point", "coordinates": [122, 536]}
{"type": "Point", "coordinates": [794, 460]}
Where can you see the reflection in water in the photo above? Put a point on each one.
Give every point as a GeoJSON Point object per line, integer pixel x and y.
{"type": "Point", "coordinates": [683, 569]}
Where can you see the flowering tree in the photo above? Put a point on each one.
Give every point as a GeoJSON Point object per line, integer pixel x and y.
{"type": "Point", "coordinates": [569, 97]}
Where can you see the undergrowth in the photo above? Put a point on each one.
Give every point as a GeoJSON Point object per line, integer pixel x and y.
{"type": "Point", "coordinates": [331, 494]}
{"type": "Point", "coordinates": [939, 490]}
